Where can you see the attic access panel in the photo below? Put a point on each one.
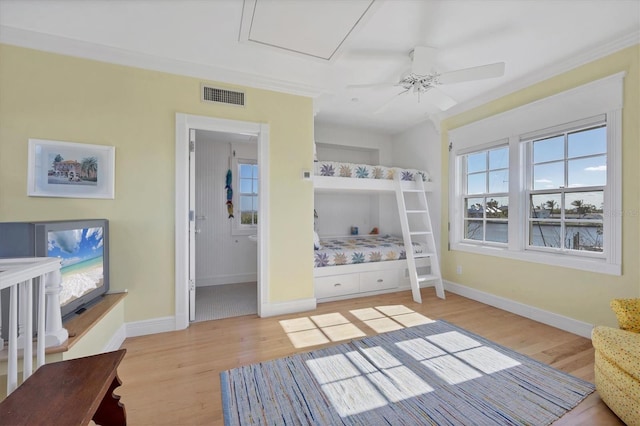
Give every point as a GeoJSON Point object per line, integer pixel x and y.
{"type": "Point", "coordinates": [315, 28]}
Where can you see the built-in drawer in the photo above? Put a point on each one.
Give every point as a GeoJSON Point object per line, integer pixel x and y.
{"type": "Point", "coordinates": [337, 285]}
{"type": "Point", "coordinates": [379, 280]}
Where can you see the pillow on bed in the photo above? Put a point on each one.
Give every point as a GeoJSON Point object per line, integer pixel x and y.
{"type": "Point", "coordinates": [316, 241]}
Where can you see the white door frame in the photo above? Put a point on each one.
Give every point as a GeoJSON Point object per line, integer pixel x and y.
{"type": "Point", "coordinates": [184, 122]}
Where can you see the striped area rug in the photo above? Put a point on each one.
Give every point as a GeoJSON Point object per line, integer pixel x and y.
{"type": "Point", "coordinates": [434, 373]}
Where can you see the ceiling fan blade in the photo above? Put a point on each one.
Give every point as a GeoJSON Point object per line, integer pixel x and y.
{"type": "Point", "coordinates": [389, 103]}
{"type": "Point", "coordinates": [439, 99]}
{"type": "Point", "coordinates": [370, 86]}
{"type": "Point", "coordinates": [473, 73]}
{"type": "Point", "coordinates": [423, 59]}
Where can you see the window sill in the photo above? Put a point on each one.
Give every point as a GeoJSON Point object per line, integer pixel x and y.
{"type": "Point", "coordinates": [566, 261]}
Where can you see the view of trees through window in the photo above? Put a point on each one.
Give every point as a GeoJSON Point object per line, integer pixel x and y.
{"type": "Point", "coordinates": [569, 174]}
{"type": "Point", "coordinates": [248, 193]}
{"type": "Point", "coordinates": [486, 204]}
{"type": "Point", "coordinates": [565, 196]}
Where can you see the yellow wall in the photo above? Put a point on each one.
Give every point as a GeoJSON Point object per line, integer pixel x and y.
{"type": "Point", "coordinates": [576, 294]}
{"type": "Point", "coordinates": [50, 96]}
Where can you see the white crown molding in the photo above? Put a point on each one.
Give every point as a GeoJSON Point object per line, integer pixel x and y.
{"type": "Point", "coordinates": [71, 47]}
{"type": "Point", "coordinates": [546, 73]}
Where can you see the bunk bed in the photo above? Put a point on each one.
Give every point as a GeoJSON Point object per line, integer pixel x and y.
{"type": "Point", "coordinates": [355, 266]}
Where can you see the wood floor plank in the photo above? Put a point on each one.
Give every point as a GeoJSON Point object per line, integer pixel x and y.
{"type": "Point", "coordinates": [173, 378]}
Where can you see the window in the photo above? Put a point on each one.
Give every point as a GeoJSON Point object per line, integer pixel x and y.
{"type": "Point", "coordinates": [567, 190]}
{"type": "Point", "coordinates": [486, 199]}
{"type": "Point", "coordinates": [247, 193]}
{"type": "Point", "coordinates": [548, 189]}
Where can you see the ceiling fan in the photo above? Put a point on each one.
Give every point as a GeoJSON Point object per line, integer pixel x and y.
{"type": "Point", "coordinates": [422, 78]}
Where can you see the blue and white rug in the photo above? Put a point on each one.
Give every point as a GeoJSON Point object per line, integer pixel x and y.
{"type": "Point", "coordinates": [434, 373]}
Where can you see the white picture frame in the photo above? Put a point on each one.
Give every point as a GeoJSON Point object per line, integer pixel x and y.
{"type": "Point", "coordinates": [70, 170]}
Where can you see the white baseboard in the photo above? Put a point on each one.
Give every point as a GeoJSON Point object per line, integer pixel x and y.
{"type": "Point", "coordinates": [555, 320]}
{"type": "Point", "coordinates": [152, 326]}
{"type": "Point", "coordinates": [116, 340]}
{"type": "Point", "coordinates": [295, 306]}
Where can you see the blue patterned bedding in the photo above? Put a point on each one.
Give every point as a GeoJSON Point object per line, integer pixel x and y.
{"type": "Point", "coordinates": [365, 171]}
{"type": "Point", "coordinates": [361, 249]}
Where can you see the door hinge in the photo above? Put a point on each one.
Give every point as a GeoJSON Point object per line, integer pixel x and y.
{"type": "Point", "coordinates": [192, 285]}
{"type": "Point", "coordinates": [192, 140]}
{"type": "Point", "coordinates": [450, 146]}
{"type": "Point", "coordinates": [192, 215]}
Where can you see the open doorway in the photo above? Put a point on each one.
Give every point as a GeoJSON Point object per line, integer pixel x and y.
{"type": "Point", "coordinates": [226, 218]}
{"type": "Point", "coordinates": [186, 224]}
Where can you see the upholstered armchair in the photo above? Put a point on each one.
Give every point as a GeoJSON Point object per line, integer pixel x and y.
{"type": "Point", "coordinates": [617, 361]}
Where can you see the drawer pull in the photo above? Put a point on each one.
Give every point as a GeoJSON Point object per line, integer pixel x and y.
{"type": "Point", "coordinates": [337, 284]}
{"type": "Point", "coordinates": [380, 280]}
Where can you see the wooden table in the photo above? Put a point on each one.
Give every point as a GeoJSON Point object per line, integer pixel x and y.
{"type": "Point", "coordinates": [69, 392]}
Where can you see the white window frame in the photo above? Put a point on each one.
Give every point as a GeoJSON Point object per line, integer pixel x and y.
{"type": "Point", "coordinates": [238, 227]}
{"type": "Point", "coordinates": [465, 194]}
{"type": "Point", "coordinates": [602, 97]}
{"type": "Point", "coordinates": [526, 141]}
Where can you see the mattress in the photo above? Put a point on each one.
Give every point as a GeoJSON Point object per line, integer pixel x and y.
{"type": "Point", "coordinates": [365, 171]}
{"type": "Point", "coordinates": [361, 249]}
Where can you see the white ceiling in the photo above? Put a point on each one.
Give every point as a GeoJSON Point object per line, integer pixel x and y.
{"type": "Point", "coordinates": [320, 47]}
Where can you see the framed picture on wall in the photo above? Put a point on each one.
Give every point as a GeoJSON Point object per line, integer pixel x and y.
{"type": "Point", "coordinates": [70, 170]}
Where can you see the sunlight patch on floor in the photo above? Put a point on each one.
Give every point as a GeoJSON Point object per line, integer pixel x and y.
{"type": "Point", "coordinates": [360, 381]}
{"type": "Point", "coordinates": [370, 377]}
{"type": "Point", "coordinates": [343, 332]}
{"type": "Point", "coordinates": [320, 329]}
{"type": "Point", "coordinates": [306, 338]}
{"type": "Point", "coordinates": [328, 320]}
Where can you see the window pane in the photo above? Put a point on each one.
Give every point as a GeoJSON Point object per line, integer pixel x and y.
{"type": "Point", "coordinates": [547, 176]}
{"type": "Point", "coordinates": [474, 207]}
{"type": "Point", "coordinates": [590, 171]}
{"type": "Point", "coordinates": [548, 149]}
{"type": "Point", "coordinates": [473, 230]}
{"type": "Point", "coordinates": [587, 142]}
{"type": "Point", "coordinates": [584, 236]}
{"type": "Point", "coordinates": [499, 181]}
{"type": "Point", "coordinates": [545, 206]}
{"type": "Point", "coordinates": [584, 205]}
{"type": "Point", "coordinates": [499, 158]}
{"type": "Point", "coordinates": [497, 231]}
{"type": "Point", "coordinates": [477, 162]}
{"type": "Point", "coordinates": [544, 234]}
{"type": "Point", "coordinates": [254, 173]}
{"type": "Point", "coordinates": [246, 203]}
{"type": "Point", "coordinates": [245, 186]}
{"type": "Point", "coordinates": [477, 183]}
{"type": "Point", "coordinates": [255, 186]}
{"type": "Point", "coordinates": [498, 208]}
{"type": "Point", "coordinates": [246, 170]}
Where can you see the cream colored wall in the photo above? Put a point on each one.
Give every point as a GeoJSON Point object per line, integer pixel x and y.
{"type": "Point", "coordinates": [50, 96]}
{"type": "Point", "coordinates": [576, 294]}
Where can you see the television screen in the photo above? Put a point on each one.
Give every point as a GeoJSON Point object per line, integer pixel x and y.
{"type": "Point", "coordinates": [82, 257]}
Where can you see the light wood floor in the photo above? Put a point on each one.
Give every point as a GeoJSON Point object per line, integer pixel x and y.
{"type": "Point", "coordinates": [173, 378]}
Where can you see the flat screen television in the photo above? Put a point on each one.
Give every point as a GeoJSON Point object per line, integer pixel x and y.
{"type": "Point", "coordinates": [83, 247]}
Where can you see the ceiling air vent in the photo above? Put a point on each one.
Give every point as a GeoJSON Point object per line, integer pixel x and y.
{"type": "Point", "coordinates": [222, 96]}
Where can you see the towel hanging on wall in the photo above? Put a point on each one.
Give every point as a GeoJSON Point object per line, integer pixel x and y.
{"type": "Point", "coordinates": [229, 194]}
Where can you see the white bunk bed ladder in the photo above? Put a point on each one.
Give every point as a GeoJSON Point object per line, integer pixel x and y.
{"type": "Point", "coordinates": [416, 227]}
